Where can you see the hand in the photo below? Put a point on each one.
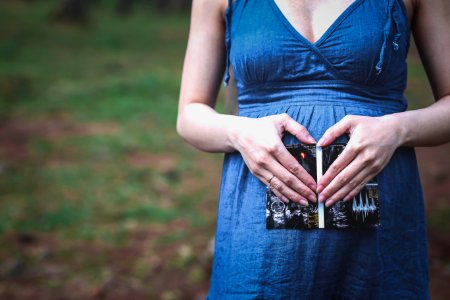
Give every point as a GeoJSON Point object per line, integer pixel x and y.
{"type": "Point", "coordinates": [259, 142]}
{"type": "Point", "coordinates": [372, 143]}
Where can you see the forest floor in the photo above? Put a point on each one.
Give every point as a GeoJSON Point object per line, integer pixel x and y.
{"type": "Point", "coordinates": [99, 197]}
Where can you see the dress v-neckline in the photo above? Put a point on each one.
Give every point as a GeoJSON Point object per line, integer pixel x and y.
{"type": "Point", "coordinates": [327, 32]}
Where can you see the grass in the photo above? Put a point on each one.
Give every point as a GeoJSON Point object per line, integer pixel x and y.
{"type": "Point", "coordinates": [94, 159]}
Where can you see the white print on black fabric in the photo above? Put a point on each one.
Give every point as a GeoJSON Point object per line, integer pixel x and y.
{"type": "Point", "coordinates": [363, 211]}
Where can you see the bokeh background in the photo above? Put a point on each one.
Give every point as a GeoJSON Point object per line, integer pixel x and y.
{"type": "Point", "coordinates": [99, 197]}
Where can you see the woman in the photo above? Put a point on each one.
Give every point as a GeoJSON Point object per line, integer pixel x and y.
{"type": "Point", "coordinates": [310, 71]}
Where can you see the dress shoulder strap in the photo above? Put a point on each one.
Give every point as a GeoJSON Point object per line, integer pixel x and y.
{"type": "Point", "coordinates": [228, 14]}
{"type": "Point", "coordinates": [391, 20]}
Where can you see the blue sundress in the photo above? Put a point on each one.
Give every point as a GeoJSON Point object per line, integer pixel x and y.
{"type": "Point", "coordinates": [357, 67]}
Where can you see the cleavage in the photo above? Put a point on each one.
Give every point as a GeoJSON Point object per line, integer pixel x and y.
{"type": "Point", "coordinates": [312, 18]}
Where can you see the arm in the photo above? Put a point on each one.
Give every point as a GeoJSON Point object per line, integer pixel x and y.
{"type": "Point", "coordinates": [198, 123]}
{"type": "Point", "coordinates": [258, 140]}
{"type": "Point", "coordinates": [431, 126]}
{"type": "Point", "coordinates": [363, 158]}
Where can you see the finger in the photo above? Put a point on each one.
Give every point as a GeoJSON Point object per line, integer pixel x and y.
{"type": "Point", "coordinates": [279, 186]}
{"type": "Point", "coordinates": [280, 196]}
{"type": "Point", "coordinates": [335, 131]}
{"type": "Point", "coordinates": [265, 166]}
{"type": "Point", "coordinates": [350, 172]}
{"type": "Point", "coordinates": [277, 193]}
{"type": "Point", "coordinates": [288, 162]}
{"type": "Point", "coordinates": [292, 180]}
{"type": "Point", "coordinates": [275, 185]}
{"type": "Point", "coordinates": [345, 158]}
{"type": "Point", "coordinates": [355, 185]}
{"type": "Point", "coordinates": [298, 130]}
{"type": "Point", "coordinates": [359, 187]}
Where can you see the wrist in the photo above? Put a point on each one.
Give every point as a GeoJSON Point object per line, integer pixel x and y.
{"type": "Point", "coordinates": [234, 132]}
{"type": "Point", "coordinates": [399, 126]}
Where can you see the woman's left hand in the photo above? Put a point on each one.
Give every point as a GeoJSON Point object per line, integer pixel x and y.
{"type": "Point", "coordinates": [372, 143]}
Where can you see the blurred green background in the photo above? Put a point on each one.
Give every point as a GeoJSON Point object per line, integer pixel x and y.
{"type": "Point", "coordinates": [99, 197]}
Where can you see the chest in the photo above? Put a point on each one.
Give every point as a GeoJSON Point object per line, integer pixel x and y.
{"type": "Point", "coordinates": [312, 18]}
{"type": "Point", "coordinates": [358, 41]}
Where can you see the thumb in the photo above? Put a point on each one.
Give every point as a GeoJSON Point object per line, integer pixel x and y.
{"type": "Point", "coordinates": [335, 131]}
{"type": "Point", "coordinates": [298, 130]}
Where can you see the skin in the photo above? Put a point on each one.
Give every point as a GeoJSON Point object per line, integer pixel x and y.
{"type": "Point", "coordinates": [373, 140]}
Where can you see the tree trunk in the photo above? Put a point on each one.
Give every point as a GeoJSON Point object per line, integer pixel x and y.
{"type": "Point", "coordinates": [173, 5]}
{"type": "Point", "coordinates": [72, 11]}
{"type": "Point", "coordinates": [124, 7]}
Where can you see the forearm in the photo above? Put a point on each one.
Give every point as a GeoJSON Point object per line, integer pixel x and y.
{"type": "Point", "coordinates": [204, 128]}
{"type": "Point", "coordinates": [428, 126]}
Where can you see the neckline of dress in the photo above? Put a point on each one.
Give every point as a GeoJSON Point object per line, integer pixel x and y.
{"type": "Point", "coordinates": [327, 32]}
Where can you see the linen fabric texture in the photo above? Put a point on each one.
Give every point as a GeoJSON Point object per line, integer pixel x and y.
{"type": "Point", "coordinates": [357, 67]}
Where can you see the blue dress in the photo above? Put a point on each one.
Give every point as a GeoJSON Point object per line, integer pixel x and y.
{"type": "Point", "coordinates": [357, 67]}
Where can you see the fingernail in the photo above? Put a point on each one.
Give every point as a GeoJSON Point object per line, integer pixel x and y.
{"type": "Point", "coordinates": [328, 203]}
{"type": "Point", "coordinates": [319, 189]}
{"type": "Point", "coordinates": [304, 202]}
{"type": "Point", "coordinates": [311, 139]}
{"type": "Point", "coordinates": [321, 142]}
{"type": "Point", "coordinates": [322, 198]}
{"type": "Point", "coordinates": [347, 198]}
{"type": "Point", "coordinates": [312, 197]}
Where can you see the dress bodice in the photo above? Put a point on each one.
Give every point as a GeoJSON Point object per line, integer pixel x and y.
{"type": "Point", "coordinates": [360, 57]}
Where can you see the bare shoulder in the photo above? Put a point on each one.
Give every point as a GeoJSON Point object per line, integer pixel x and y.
{"type": "Point", "coordinates": [214, 7]}
{"type": "Point", "coordinates": [419, 3]}
{"type": "Point", "coordinates": [430, 26]}
{"type": "Point", "coordinates": [204, 61]}
{"type": "Point", "coordinates": [440, 8]}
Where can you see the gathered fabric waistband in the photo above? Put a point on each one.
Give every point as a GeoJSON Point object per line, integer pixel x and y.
{"type": "Point", "coordinates": [263, 96]}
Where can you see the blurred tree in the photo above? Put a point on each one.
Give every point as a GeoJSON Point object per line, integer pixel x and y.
{"type": "Point", "coordinates": [72, 11]}
{"type": "Point", "coordinates": [124, 7]}
{"type": "Point", "coordinates": [173, 5]}
{"type": "Point", "coordinates": [77, 11]}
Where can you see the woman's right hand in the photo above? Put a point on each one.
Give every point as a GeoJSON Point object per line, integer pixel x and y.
{"type": "Point", "coordinates": [259, 142]}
